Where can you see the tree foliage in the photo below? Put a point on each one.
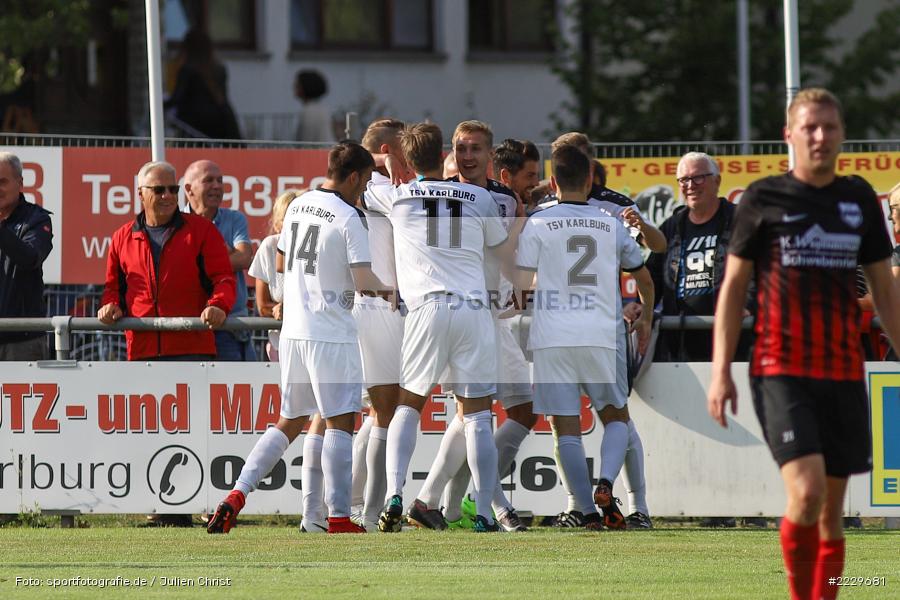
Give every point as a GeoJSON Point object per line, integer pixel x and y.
{"type": "Point", "coordinates": [667, 69]}
{"type": "Point", "coordinates": [30, 27]}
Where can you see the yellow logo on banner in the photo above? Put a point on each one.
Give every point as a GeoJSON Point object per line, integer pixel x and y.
{"type": "Point", "coordinates": [884, 394]}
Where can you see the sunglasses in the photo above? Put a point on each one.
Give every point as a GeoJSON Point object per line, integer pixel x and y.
{"type": "Point", "coordinates": [159, 190]}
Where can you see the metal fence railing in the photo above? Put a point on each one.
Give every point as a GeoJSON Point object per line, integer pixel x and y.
{"type": "Point", "coordinates": [269, 133]}
{"type": "Point", "coordinates": [101, 342]}
{"type": "Point", "coordinates": [113, 141]}
{"type": "Point", "coordinates": [108, 343]}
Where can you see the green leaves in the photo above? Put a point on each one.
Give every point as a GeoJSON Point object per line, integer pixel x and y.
{"type": "Point", "coordinates": [667, 69]}
{"type": "Point", "coordinates": [30, 27]}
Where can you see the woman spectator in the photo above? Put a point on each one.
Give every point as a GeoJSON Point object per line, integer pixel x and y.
{"type": "Point", "coordinates": [268, 281]}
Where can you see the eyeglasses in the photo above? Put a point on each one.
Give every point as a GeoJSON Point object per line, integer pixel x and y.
{"type": "Point", "coordinates": [695, 179]}
{"type": "Point", "coordinates": [159, 190]}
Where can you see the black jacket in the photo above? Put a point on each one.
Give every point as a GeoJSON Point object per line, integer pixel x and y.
{"type": "Point", "coordinates": [26, 238]}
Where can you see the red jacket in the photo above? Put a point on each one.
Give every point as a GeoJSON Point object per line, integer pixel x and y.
{"type": "Point", "coordinates": [194, 272]}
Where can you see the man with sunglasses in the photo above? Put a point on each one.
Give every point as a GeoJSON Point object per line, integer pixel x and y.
{"type": "Point", "coordinates": [166, 263]}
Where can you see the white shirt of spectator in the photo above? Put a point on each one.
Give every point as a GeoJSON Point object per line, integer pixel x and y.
{"type": "Point", "coordinates": [577, 251]}
{"type": "Point", "coordinates": [321, 239]}
{"type": "Point", "coordinates": [263, 267]}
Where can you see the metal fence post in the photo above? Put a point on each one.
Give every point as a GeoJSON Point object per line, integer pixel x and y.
{"type": "Point", "coordinates": [62, 336]}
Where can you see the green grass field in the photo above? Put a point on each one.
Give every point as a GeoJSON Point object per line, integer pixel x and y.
{"type": "Point", "coordinates": [276, 561]}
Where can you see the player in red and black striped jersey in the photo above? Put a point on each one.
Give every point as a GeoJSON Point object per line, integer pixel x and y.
{"type": "Point", "coordinates": [802, 235]}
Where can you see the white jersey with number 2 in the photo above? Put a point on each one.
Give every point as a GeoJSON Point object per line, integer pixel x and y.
{"type": "Point", "coordinates": [577, 250]}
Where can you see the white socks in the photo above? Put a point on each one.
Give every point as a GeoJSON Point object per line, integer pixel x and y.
{"type": "Point", "coordinates": [635, 483]}
{"type": "Point", "coordinates": [401, 442]}
{"type": "Point", "coordinates": [482, 458]}
{"type": "Point", "coordinates": [450, 457]}
{"type": "Point", "coordinates": [262, 459]}
{"type": "Point", "coordinates": [312, 479]}
{"type": "Point", "coordinates": [612, 450]}
{"type": "Point", "coordinates": [571, 502]}
{"type": "Point", "coordinates": [508, 437]}
{"type": "Point", "coordinates": [337, 461]}
{"type": "Point", "coordinates": [376, 483]}
{"type": "Point", "coordinates": [455, 492]}
{"type": "Point", "coordinates": [573, 464]}
{"type": "Point", "coordinates": [360, 443]}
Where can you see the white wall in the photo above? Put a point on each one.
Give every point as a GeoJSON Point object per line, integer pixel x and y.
{"type": "Point", "coordinates": [514, 95]}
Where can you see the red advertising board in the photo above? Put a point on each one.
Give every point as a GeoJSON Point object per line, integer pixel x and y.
{"type": "Point", "coordinates": [99, 193]}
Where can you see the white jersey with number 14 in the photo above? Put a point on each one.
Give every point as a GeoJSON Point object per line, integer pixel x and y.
{"type": "Point", "coordinates": [321, 239]}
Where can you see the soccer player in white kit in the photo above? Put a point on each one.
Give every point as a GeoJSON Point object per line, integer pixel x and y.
{"type": "Point", "coordinates": [621, 207]}
{"type": "Point", "coordinates": [442, 231]}
{"type": "Point", "coordinates": [570, 246]}
{"type": "Point", "coordinates": [380, 326]}
{"type": "Point", "coordinates": [324, 255]}
{"type": "Point", "coordinates": [472, 141]}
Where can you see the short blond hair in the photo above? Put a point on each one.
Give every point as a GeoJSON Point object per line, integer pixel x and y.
{"type": "Point", "coordinates": [473, 126]}
{"type": "Point", "coordinates": [814, 96]}
{"type": "Point", "coordinates": [279, 208]}
{"type": "Point", "coordinates": [574, 138]}
{"type": "Point", "coordinates": [381, 131]}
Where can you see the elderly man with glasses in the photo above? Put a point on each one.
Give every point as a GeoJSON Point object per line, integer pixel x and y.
{"type": "Point", "coordinates": [688, 274]}
{"type": "Point", "coordinates": [166, 263]}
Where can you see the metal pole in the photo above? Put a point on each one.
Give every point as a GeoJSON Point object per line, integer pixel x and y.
{"type": "Point", "coordinates": [61, 334]}
{"type": "Point", "coordinates": [351, 125]}
{"type": "Point", "coordinates": [743, 37]}
{"type": "Point", "coordinates": [791, 58]}
{"type": "Point", "coordinates": [154, 76]}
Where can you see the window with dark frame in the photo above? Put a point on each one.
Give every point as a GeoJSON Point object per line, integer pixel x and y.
{"type": "Point", "coordinates": [231, 24]}
{"type": "Point", "coordinates": [388, 25]}
{"type": "Point", "coordinates": [511, 25]}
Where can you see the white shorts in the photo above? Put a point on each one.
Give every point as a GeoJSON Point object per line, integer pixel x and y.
{"type": "Point", "coordinates": [380, 339]}
{"type": "Point", "coordinates": [513, 372]}
{"type": "Point", "coordinates": [615, 393]}
{"type": "Point", "coordinates": [561, 375]}
{"type": "Point", "coordinates": [319, 377]}
{"type": "Point", "coordinates": [449, 333]}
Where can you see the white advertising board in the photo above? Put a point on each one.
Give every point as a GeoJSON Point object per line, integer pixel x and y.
{"type": "Point", "coordinates": [171, 438]}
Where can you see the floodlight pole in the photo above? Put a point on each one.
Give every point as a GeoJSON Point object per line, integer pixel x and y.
{"type": "Point", "coordinates": [154, 78]}
{"type": "Point", "coordinates": [791, 59]}
{"type": "Point", "coordinates": [743, 37]}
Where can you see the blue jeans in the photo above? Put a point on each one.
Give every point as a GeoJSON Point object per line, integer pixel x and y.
{"type": "Point", "coordinates": [232, 347]}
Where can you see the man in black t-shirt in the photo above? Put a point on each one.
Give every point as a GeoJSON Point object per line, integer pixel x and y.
{"type": "Point", "coordinates": [688, 274]}
{"type": "Point", "coordinates": [802, 235]}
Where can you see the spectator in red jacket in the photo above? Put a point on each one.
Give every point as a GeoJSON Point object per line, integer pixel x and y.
{"type": "Point", "coordinates": [167, 263]}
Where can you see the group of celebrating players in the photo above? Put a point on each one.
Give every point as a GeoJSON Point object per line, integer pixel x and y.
{"type": "Point", "coordinates": [401, 277]}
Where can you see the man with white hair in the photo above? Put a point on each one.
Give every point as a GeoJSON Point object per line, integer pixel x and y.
{"type": "Point", "coordinates": [166, 263]}
{"type": "Point", "coordinates": [688, 274]}
{"type": "Point", "coordinates": [25, 241]}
